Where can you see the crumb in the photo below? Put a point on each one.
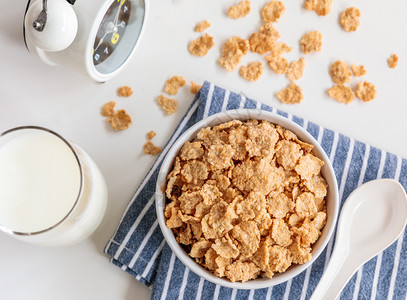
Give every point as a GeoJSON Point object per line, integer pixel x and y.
{"type": "Point", "coordinates": [108, 108]}
{"type": "Point", "coordinates": [119, 120]}
{"type": "Point", "coordinates": [252, 72]}
{"type": "Point", "coordinates": [124, 91]}
{"type": "Point", "coordinates": [240, 10]}
{"type": "Point", "coordinates": [392, 61]}
{"type": "Point", "coordinates": [169, 105]}
{"type": "Point", "coordinates": [232, 52]}
{"type": "Point", "coordinates": [195, 87]}
{"type": "Point", "coordinates": [296, 69]}
{"type": "Point", "coordinates": [201, 45]}
{"type": "Point", "coordinates": [340, 72]}
{"type": "Point", "coordinates": [349, 19]}
{"type": "Point", "coordinates": [150, 148]}
{"type": "Point", "coordinates": [202, 26]}
{"type": "Point", "coordinates": [290, 95]}
{"type": "Point", "coordinates": [366, 91]}
{"type": "Point", "coordinates": [173, 84]}
{"type": "Point", "coordinates": [277, 63]}
{"type": "Point", "coordinates": [272, 11]}
{"type": "Point", "coordinates": [312, 41]}
{"type": "Point", "coordinates": [342, 94]}
{"type": "Point", "coordinates": [321, 7]}
{"type": "Point", "coordinates": [151, 134]}
{"type": "Point", "coordinates": [358, 70]}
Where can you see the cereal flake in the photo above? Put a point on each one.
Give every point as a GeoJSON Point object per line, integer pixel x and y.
{"type": "Point", "coordinates": [296, 69]}
{"type": "Point", "coordinates": [312, 41]}
{"type": "Point", "coordinates": [169, 105]}
{"type": "Point", "coordinates": [151, 134]}
{"type": "Point", "coordinates": [252, 72]}
{"type": "Point", "coordinates": [321, 7]}
{"type": "Point", "coordinates": [340, 72]}
{"type": "Point", "coordinates": [232, 52]}
{"type": "Point", "coordinates": [150, 148]}
{"type": "Point", "coordinates": [108, 108]}
{"type": "Point", "coordinates": [277, 63]}
{"type": "Point", "coordinates": [291, 94]}
{"type": "Point", "coordinates": [240, 10]}
{"type": "Point", "coordinates": [349, 19]}
{"type": "Point", "coordinates": [201, 46]}
{"type": "Point", "coordinates": [392, 61]}
{"type": "Point", "coordinates": [366, 91]}
{"type": "Point", "coordinates": [358, 70]}
{"type": "Point", "coordinates": [124, 91]}
{"type": "Point", "coordinates": [173, 84]}
{"type": "Point", "coordinates": [120, 120]}
{"type": "Point", "coordinates": [342, 94]}
{"type": "Point", "coordinates": [272, 11]}
{"type": "Point", "coordinates": [195, 87]}
{"type": "Point", "coordinates": [202, 26]}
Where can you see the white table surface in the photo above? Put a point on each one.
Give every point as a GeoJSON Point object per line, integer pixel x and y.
{"type": "Point", "coordinates": [34, 93]}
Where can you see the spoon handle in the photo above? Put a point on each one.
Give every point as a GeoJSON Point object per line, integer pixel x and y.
{"type": "Point", "coordinates": [340, 269]}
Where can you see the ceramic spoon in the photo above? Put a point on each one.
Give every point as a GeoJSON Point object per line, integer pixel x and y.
{"type": "Point", "coordinates": [372, 218]}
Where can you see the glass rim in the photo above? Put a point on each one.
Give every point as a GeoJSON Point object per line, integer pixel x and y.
{"type": "Point", "coordinates": [81, 183]}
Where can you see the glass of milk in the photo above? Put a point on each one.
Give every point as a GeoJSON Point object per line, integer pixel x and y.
{"type": "Point", "coordinates": [51, 191]}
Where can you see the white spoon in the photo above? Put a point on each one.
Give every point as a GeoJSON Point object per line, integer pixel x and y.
{"type": "Point", "coordinates": [372, 218]}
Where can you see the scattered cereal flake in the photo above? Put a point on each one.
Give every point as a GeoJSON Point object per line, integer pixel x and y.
{"type": "Point", "coordinates": [169, 105]}
{"type": "Point", "coordinates": [291, 94]}
{"type": "Point", "coordinates": [124, 91]}
{"type": "Point", "coordinates": [260, 43]}
{"type": "Point", "coordinates": [199, 248]}
{"type": "Point", "coordinates": [151, 134]}
{"type": "Point", "coordinates": [201, 45]}
{"type": "Point", "coordinates": [192, 150]}
{"type": "Point", "coordinates": [252, 72]}
{"type": "Point", "coordinates": [272, 11]}
{"type": "Point", "coordinates": [366, 91]}
{"type": "Point", "coordinates": [108, 108]}
{"type": "Point", "coordinates": [349, 19]}
{"type": "Point", "coordinates": [269, 30]}
{"type": "Point", "coordinates": [280, 233]}
{"type": "Point", "coordinates": [241, 271]}
{"type": "Point", "coordinates": [232, 52]}
{"type": "Point", "coordinates": [392, 61]}
{"type": "Point", "coordinates": [150, 148]}
{"type": "Point", "coordinates": [305, 206]}
{"type": "Point", "coordinates": [311, 41]}
{"type": "Point", "coordinates": [341, 93]}
{"type": "Point", "coordinates": [340, 72]}
{"type": "Point", "coordinates": [120, 120]}
{"type": "Point", "coordinates": [358, 70]}
{"type": "Point", "coordinates": [321, 7]}
{"type": "Point", "coordinates": [195, 87]}
{"type": "Point", "coordinates": [202, 26]}
{"type": "Point", "coordinates": [240, 10]}
{"type": "Point", "coordinates": [280, 48]}
{"type": "Point", "coordinates": [173, 84]}
{"type": "Point", "coordinates": [277, 63]}
{"type": "Point", "coordinates": [296, 69]}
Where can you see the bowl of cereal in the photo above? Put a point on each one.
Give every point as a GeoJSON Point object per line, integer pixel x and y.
{"type": "Point", "coordinates": [247, 199]}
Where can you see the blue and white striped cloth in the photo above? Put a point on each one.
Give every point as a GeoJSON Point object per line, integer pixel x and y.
{"type": "Point", "coordinates": [138, 246]}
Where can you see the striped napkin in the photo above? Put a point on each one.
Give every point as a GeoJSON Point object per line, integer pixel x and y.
{"type": "Point", "coordinates": [138, 246]}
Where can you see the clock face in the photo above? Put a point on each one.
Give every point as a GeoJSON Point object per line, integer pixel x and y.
{"type": "Point", "coordinates": [111, 30]}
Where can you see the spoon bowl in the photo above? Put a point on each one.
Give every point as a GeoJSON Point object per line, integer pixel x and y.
{"type": "Point", "coordinates": [372, 218]}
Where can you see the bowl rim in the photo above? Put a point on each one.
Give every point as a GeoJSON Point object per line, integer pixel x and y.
{"type": "Point", "coordinates": [245, 114]}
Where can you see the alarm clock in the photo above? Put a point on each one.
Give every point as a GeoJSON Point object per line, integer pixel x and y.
{"type": "Point", "coordinates": [93, 37]}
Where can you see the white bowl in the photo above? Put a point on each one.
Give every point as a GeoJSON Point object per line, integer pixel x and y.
{"type": "Point", "coordinates": [332, 198]}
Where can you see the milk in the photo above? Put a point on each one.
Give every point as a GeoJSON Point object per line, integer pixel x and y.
{"type": "Point", "coordinates": [51, 192]}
